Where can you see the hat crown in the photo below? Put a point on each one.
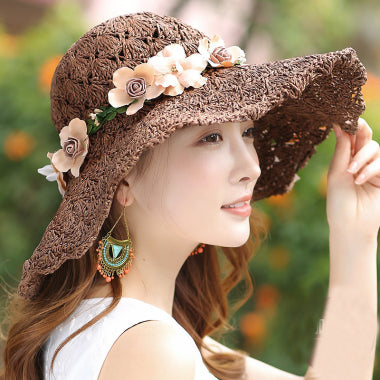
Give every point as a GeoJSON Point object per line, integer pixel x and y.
{"type": "Point", "coordinates": [293, 104]}
{"type": "Point", "coordinates": [84, 75]}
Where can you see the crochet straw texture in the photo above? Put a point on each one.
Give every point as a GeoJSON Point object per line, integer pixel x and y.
{"type": "Point", "coordinates": [293, 103]}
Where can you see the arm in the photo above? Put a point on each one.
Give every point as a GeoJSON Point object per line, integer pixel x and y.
{"type": "Point", "coordinates": [345, 348]}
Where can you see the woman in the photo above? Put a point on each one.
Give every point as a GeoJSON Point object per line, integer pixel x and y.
{"type": "Point", "coordinates": [166, 138]}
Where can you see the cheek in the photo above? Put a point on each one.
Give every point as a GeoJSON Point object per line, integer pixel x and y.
{"type": "Point", "coordinates": [195, 192]}
{"type": "Point", "coordinates": [194, 189]}
{"type": "Point", "coordinates": [150, 186]}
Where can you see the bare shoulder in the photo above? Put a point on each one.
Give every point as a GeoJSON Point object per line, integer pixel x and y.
{"type": "Point", "coordinates": [150, 350]}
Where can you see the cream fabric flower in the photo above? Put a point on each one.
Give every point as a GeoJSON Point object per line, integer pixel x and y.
{"type": "Point", "coordinates": [74, 142]}
{"type": "Point", "coordinates": [53, 174]}
{"type": "Point", "coordinates": [217, 55]}
{"type": "Point", "coordinates": [93, 116]}
{"type": "Point", "coordinates": [294, 180]}
{"type": "Point", "coordinates": [175, 71]}
{"type": "Point", "coordinates": [137, 84]}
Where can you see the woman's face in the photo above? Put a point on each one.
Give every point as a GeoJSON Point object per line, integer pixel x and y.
{"type": "Point", "coordinates": [191, 176]}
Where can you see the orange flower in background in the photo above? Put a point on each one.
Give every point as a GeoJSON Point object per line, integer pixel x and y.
{"type": "Point", "coordinates": [9, 45]}
{"type": "Point", "coordinates": [279, 257]}
{"type": "Point", "coordinates": [18, 145]}
{"type": "Point", "coordinates": [285, 200]}
{"type": "Point", "coordinates": [47, 72]}
{"type": "Point", "coordinates": [267, 297]}
{"type": "Point", "coordinates": [371, 90]}
{"type": "Point", "coordinates": [253, 326]}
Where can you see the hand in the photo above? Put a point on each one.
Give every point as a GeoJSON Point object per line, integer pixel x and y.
{"type": "Point", "coordinates": [354, 207]}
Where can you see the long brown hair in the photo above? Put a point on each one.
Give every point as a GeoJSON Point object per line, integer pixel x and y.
{"type": "Point", "coordinates": [200, 301]}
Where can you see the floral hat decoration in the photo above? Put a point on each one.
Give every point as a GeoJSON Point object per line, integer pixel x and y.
{"type": "Point", "coordinates": [169, 72]}
{"type": "Point", "coordinates": [129, 83]}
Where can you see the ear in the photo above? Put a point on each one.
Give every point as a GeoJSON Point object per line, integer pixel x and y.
{"type": "Point", "coordinates": [124, 194]}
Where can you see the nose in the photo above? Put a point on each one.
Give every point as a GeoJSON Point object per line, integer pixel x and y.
{"type": "Point", "coordinates": [246, 167]}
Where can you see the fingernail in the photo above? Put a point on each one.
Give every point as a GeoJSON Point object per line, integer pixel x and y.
{"type": "Point", "coordinates": [360, 179]}
{"type": "Point", "coordinates": [353, 168]}
{"type": "Point", "coordinates": [361, 121]}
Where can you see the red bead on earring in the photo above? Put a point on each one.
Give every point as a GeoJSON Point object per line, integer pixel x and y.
{"type": "Point", "coordinates": [197, 250]}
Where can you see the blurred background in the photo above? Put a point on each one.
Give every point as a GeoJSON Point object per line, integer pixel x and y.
{"type": "Point", "coordinates": [279, 323]}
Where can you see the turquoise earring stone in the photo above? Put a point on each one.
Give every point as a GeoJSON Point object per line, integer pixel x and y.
{"type": "Point", "coordinates": [116, 249]}
{"type": "Point", "coordinates": [115, 257]}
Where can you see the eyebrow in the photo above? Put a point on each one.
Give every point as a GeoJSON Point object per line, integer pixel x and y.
{"type": "Point", "coordinates": [248, 122]}
{"type": "Point", "coordinates": [245, 122]}
{"type": "Point", "coordinates": [200, 128]}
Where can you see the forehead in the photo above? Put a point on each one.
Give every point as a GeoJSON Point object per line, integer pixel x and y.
{"type": "Point", "coordinates": [241, 123]}
{"type": "Point", "coordinates": [226, 124]}
{"type": "Point", "coordinates": [196, 128]}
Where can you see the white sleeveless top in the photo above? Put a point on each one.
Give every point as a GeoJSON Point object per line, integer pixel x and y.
{"type": "Point", "coordinates": [83, 357]}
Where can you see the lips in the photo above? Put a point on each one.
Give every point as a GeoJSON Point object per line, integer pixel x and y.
{"type": "Point", "coordinates": [241, 209]}
{"type": "Point", "coordinates": [238, 202]}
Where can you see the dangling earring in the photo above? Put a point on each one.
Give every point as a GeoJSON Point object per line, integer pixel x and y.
{"type": "Point", "coordinates": [115, 256]}
{"type": "Point", "coordinates": [197, 250]}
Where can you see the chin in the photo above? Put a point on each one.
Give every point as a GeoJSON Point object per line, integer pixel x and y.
{"type": "Point", "coordinates": [234, 240]}
{"type": "Point", "coordinates": [226, 234]}
{"type": "Point", "coordinates": [238, 243]}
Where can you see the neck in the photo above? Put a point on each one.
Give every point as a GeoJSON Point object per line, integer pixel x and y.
{"type": "Point", "coordinates": [150, 281]}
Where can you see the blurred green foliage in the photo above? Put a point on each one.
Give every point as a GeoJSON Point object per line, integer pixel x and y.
{"type": "Point", "coordinates": [278, 325]}
{"type": "Point", "coordinates": [28, 202]}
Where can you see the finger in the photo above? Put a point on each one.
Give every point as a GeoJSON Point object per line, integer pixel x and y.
{"type": "Point", "coordinates": [363, 135]}
{"type": "Point", "coordinates": [353, 140]}
{"type": "Point", "coordinates": [342, 154]}
{"type": "Point", "coordinates": [371, 173]}
{"type": "Point", "coordinates": [367, 154]}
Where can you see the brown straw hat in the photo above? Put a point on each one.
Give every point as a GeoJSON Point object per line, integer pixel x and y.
{"type": "Point", "coordinates": [293, 104]}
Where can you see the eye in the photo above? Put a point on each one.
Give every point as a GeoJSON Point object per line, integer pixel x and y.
{"type": "Point", "coordinates": [250, 132]}
{"type": "Point", "coordinates": [212, 138]}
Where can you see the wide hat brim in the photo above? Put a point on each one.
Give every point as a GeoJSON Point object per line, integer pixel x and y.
{"type": "Point", "coordinates": [293, 103]}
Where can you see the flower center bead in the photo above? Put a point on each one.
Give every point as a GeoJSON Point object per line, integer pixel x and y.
{"type": "Point", "coordinates": [220, 54]}
{"type": "Point", "coordinates": [71, 147]}
{"type": "Point", "coordinates": [174, 69]}
{"type": "Point", "coordinates": [136, 87]}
